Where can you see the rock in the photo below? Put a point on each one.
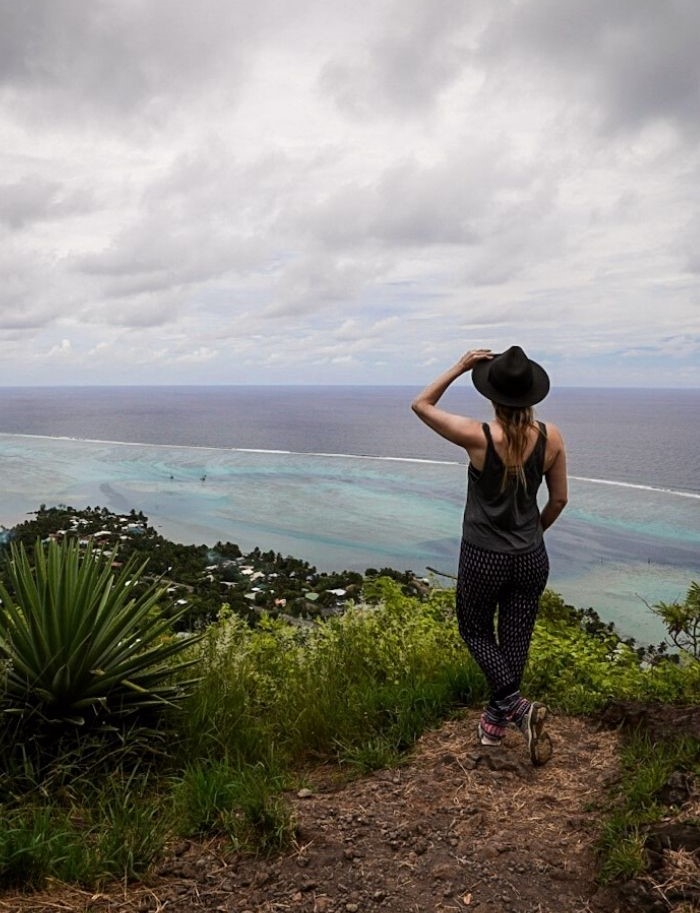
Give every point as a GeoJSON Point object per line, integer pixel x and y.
{"type": "Point", "coordinates": [442, 871]}
{"type": "Point", "coordinates": [677, 790]}
{"type": "Point", "coordinates": [659, 720]}
{"type": "Point", "coordinates": [684, 835]}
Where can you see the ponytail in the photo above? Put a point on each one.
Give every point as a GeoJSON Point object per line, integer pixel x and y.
{"type": "Point", "coordinates": [516, 423]}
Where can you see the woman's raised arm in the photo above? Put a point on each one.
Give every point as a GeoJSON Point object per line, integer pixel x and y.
{"type": "Point", "coordinates": [459, 429]}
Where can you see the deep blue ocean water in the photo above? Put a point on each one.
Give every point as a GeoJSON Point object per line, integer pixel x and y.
{"type": "Point", "coordinates": [348, 477]}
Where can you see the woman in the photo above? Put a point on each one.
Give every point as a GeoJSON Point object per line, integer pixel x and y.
{"type": "Point", "coordinates": [503, 562]}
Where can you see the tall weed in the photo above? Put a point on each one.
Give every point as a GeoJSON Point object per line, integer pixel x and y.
{"type": "Point", "coordinates": [243, 803]}
{"type": "Point", "coordinates": [34, 843]}
{"type": "Point", "coordinates": [380, 671]}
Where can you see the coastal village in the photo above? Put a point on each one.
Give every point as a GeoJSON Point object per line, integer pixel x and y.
{"type": "Point", "coordinates": [201, 579]}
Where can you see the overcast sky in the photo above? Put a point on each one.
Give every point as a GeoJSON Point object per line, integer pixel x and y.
{"type": "Point", "coordinates": [319, 191]}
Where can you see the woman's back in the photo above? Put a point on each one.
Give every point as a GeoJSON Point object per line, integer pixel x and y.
{"type": "Point", "coordinates": [501, 513]}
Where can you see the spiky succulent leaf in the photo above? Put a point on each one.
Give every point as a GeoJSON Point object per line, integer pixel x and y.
{"type": "Point", "coordinates": [75, 635]}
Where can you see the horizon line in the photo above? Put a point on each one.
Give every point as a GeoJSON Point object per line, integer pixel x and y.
{"type": "Point", "coordinates": [128, 386]}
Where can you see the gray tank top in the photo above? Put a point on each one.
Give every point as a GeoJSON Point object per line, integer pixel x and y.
{"type": "Point", "coordinates": [504, 519]}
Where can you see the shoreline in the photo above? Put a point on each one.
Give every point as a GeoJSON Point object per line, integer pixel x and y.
{"type": "Point", "coordinates": [333, 455]}
{"type": "Point", "coordinates": [614, 549]}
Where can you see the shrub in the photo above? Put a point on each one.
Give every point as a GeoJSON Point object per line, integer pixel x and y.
{"type": "Point", "coordinates": [85, 835]}
{"type": "Point", "coordinates": [82, 643]}
{"type": "Point", "coordinates": [578, 664]}
{"type": "Point", "coordinates": [357, 686]}
{"type": "Point", "coordinates": [682, 620]}
{"type": "Point", "coordinates": [243, 804]}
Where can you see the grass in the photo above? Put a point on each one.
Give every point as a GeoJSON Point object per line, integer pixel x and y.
{"type": "Point", "coordinates": [242, 804]}
{"type": "Point", "coordinates": [645, 770]}
{"type": "Point", "coordinates": [357, 690]}
{"type": "Point", "coordinates": [114, 830]}
{"type": "Point", "coordinates": [377, 673]}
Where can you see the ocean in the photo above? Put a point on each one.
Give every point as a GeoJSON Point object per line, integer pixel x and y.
{"type": "Point", "coordinates": [347, 477]}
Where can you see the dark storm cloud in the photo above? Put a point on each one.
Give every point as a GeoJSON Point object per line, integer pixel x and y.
{"type": "Point", "coordinates": [71, 59]}
{"type": "Point", "coordinates": [636, 61]}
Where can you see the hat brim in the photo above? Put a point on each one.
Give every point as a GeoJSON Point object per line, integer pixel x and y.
{"type": "Point", "coordinates": [535, 394]}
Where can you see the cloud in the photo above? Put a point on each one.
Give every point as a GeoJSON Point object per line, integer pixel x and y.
{"type": "Point", "coordinates": [313, 192]}
{"type": "Point", "coordinates": [409, 204]}
{"type": "Point", "coordinates": [29, 287]}
{"type": "Point", "coordinates": [27, 200]}
{"type": "Point", "coordinates": [64, 348]}
{"type": "Point", "coordinates": [633, 61]}
{"type": "Point", "coordinates": [421, 49]}
{"type": "Point", "coordinates": [67, 60]}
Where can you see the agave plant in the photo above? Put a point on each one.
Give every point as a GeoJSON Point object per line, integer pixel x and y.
{"type": "Point", "coordinates": [80, 642]}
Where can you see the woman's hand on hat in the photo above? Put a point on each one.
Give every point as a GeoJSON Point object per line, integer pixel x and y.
{"type": "Point", "coordinates": [470, 358]}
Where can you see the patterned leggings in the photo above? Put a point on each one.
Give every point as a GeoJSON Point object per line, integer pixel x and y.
{"type": "Point", "coordinates": [513, 583]}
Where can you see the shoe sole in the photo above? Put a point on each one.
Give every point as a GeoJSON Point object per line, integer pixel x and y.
{"type": "Point", "coordinates": [543, 750]}
{"type": "Point", "coordinates": [538, 742]}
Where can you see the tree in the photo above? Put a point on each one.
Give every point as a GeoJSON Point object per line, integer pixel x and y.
{"type": "Point", "coordinates": [682, 620]}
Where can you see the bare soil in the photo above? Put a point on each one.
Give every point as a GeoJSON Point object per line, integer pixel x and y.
{"type": "Point", "coordinates": [458, 828]}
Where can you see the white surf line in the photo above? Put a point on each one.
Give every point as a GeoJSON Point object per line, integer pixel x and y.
{"type": "Point", "coordinates": [663, 491]}
{"type": "Point", "coordinates": [302, 453]}
{"type": "Point", "coordinates": [342, 456]}
{"type": "Point", "coordinates": [94, 440]}
{"type": "Point", "coordinates": [348, 456]}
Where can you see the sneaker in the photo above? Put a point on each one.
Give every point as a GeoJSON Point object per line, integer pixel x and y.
{"type": "Point", "coordinates": [531, 725]}
{"type": "Point", "coordinates": [485, 739]}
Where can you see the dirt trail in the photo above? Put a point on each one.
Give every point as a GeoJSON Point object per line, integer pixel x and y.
{"type": "Point", "coordinates": [457, 828]}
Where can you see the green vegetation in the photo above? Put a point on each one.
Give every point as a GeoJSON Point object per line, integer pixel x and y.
{"type": "Point", "coordinates": [200, 578]}
{"type": "Point", "coordinates": [77, 644]}
{"type": "Point", "coordinates": [371, 679]}
{"type": "Point", "coordinates": [646, 767]}
{"type": "Point", "coordinates": [80, 831]}
{"type": "Point", "coordinates": [579, 664]}
{"type": "Point", "coordinates": [200, 735]}
{"type": "Point", "coordinates": [682, 620]}
{"type": "Point", "coordinates": [243, 804]}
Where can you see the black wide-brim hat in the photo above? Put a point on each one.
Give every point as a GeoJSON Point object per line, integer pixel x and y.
{"type": "Point", "coordinates": [511, 379]}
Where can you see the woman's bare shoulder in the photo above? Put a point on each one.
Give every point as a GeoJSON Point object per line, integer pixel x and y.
{"type": "Point", "coordinates": [553, 432]}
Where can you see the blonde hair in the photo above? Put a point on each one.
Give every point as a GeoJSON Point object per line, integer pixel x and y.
{"type": "Point", "coordinates": [516, 422]}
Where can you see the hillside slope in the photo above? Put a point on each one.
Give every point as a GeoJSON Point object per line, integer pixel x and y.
{"type": "Point", "coordinates": [458, 827]}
